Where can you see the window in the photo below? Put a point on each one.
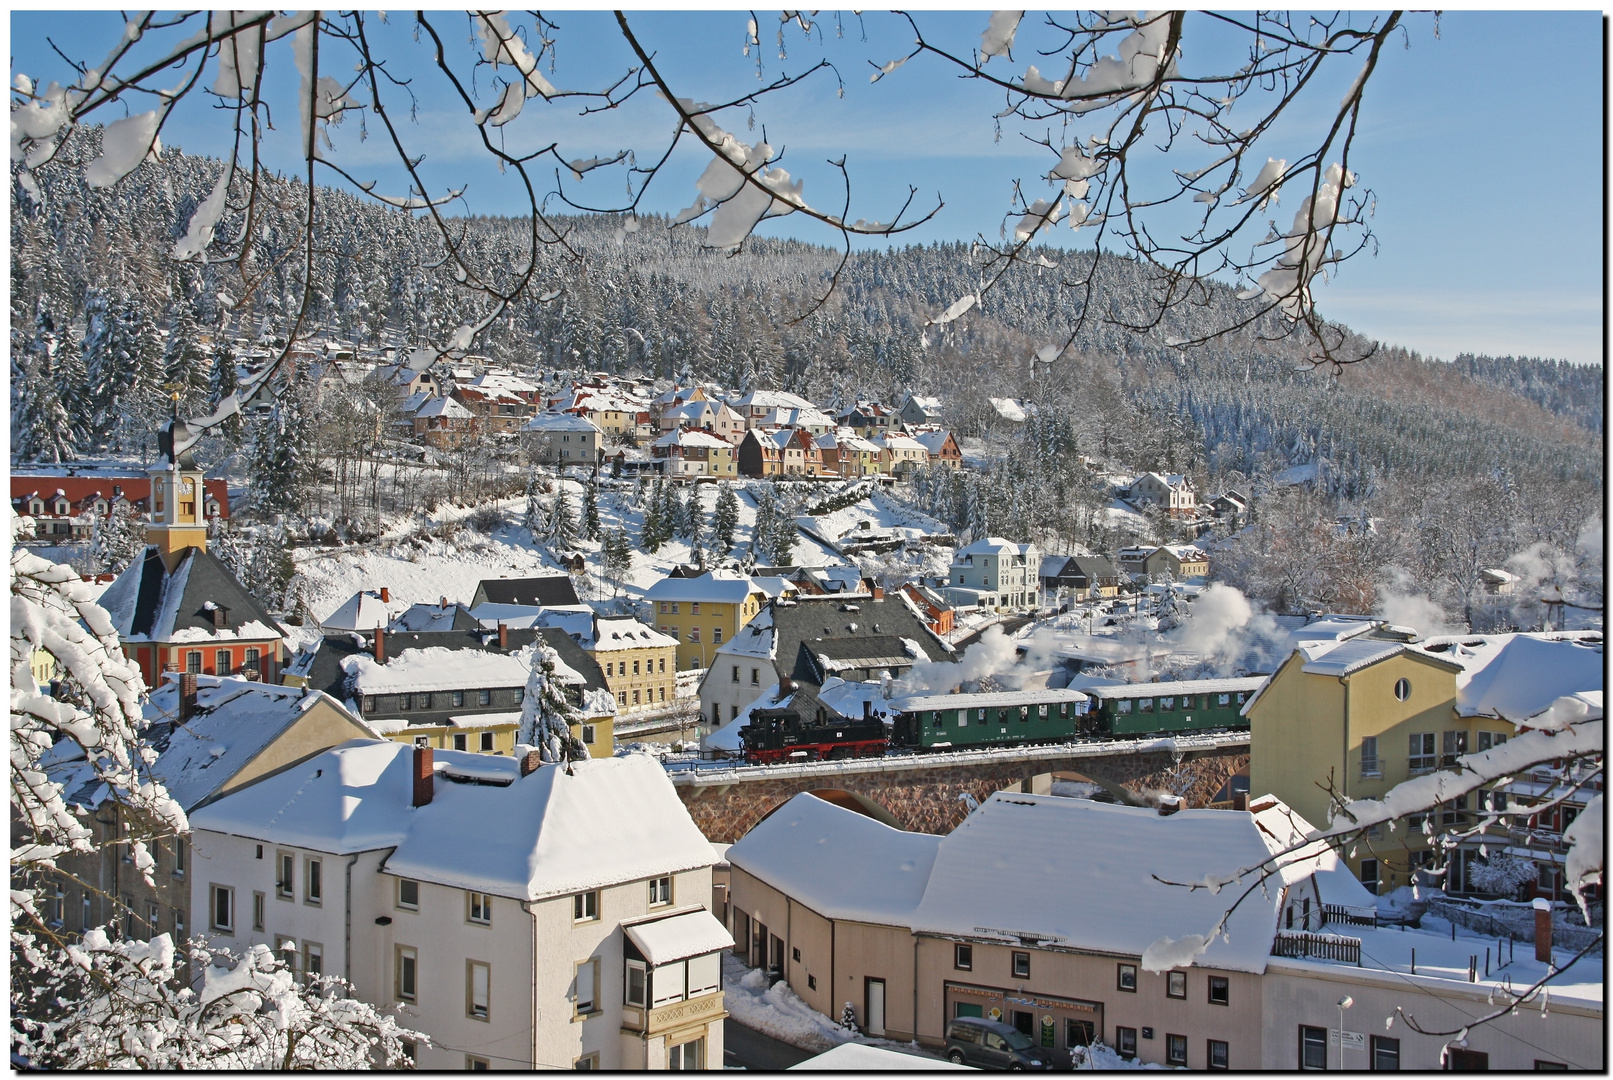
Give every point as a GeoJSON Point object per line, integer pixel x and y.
{"type": "Point", "coordinates": [253, 657]}
{"type": "Point", "coordinates": [1220, 986]}
{"type": "Point", "coordinates": [1421, 753]}
{"type": "Point", "coordinates": [755, 677]}
{"type": "Point", "coordinates": [480, 908]}
{"type": "Point", "coordinates": [56, 907]}
{"type": "Point", "coordinates": [405, 702]}
{"type": "Point", "coordinates": [422, 740]}
{"type": "Point", "coordinates": [660, 891]}
{"type": "Point", "coordinates": [1145, 705]}
{"type": "Point", "coordinates": [406, 963]}
{"type": "Point", "coordinates": [633, 989]}
{"type": "Point", "coordinates": [687, 1055]}
{"type": "Point", "coordinates": [313, 959]}
{"type": "Point", "coordinates": [313, 884]}
{"type": "Point", "coordinates": [1455, 811]}
{"type": "Point", "coordinates": [1312, 1047]}
{"type": "Point", "coordinates": [1369, 875]}
{"type": "Point", "coordinates": [369, 704]}
{"type": "Point", "coordinates": [587, 976]}
{"type": "Point", "coordinates": [1386, 1054]}
{"type": "Point", "coordinates": [812, 982]}
{"type": "Point", "coordinates": [585, 906]}
{"type": "Point", "coordinates": [694, 608]}
{"type": "Point", "coordinates": [1123, 705]}
{"type": "Point", "coordinates": [694, 635]}
{"type": "Point", "coordinates": [1176, 1050]}
{"type": "Point", "coordinates": [736, 673]}
{"type": "Point", "coordinates": [258, 904]}
{"type": "Point", "coordinates": [458, 698]}
{"type": "Point", "coordinates": [963, 957]}
{"type": "Point", "coordinates": [283, 883]}
{"type": "Point", "coordinates": [221, 662]}
{"type": "Point", "coordinates": [636, 697]}
{"type": "Point", "coordinates": [484, 697]}
{"type": "Point", "coordinates": [476, 1064]}
{"type": "Point", "coordinates": [478, 976]}
{"type": "Point", "coordinates": [179, 923]}
{"type": "Point", "coordinates": [663, 607]}
{"type": "Point", "coordinates": [1369, 756]}
{"type": "Point", "coordinates": [222, 908]}
{"type": "Point", "coordinates": [716, 639]}
{"type": "Point", "coordinates": [1402, 689]}
{"type": "Point", "coordinates": [1176, 984]}
{"type": "Point", "coordinates": [1126, 977]}
{"type": "Point", "coordinates": [1217, 1055]}
{"type": "Point", "coordinates": [1167, 704]}
{"type": "Point", "coordinates": [285, 949]}
{"type": "Point", "coordinates": [674, 607]}
{"type": "Point", "coordinates": [1022, 965]}
{"type": "Point", "coordinates": [588, 733]}
{"type": "Point", "coordinates": [660, 666]}
{"type": "Point", "coordinates": [1453, 745]}
{"type": "Point", "coordinates": [487, 742]}
{"type": "Point", "coordinates": [1126, 1042]}
{"type": "Point", "coordinates": [461, 741]}
{"type": "Point", "coordinates": [408, 894]}
{"type": "Point", "coordinates": [193, 662]}
{"type": "Point", "coordinates": [520, 695]}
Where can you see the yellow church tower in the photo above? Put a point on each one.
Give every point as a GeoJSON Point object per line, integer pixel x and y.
{"type": "Point", "coordinates": [178, 514]}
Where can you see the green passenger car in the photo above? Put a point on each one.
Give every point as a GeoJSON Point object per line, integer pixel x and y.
{"type": "Point", "coordinates": [1165, 708]}
{"type": "Point", "coordinates": [971, 721]}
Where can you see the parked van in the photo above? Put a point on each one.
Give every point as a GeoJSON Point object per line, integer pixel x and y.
{"type": "Point", "coordinates": [988, 1044]}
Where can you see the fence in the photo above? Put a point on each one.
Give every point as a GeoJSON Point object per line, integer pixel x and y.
{"type": "Point", "coordinates": [1337, 914]}
{"type": "Point", "coordinates": [1299, 944]}
{"type": "Point", "coordinates": [1510, 920]}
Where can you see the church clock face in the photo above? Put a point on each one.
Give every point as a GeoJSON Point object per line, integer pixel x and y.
{"type": "Point", "coordinates": [187, 486]}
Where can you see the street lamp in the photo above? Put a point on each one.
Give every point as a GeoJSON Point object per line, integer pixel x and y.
{"type": "Point", "coordinates": [1344, 1003]}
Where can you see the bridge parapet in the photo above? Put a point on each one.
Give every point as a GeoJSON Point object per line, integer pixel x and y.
{"type": "Point", "coordinates": [934, 792]}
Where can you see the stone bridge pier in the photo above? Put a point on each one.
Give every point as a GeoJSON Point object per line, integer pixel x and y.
{"type": "Point", "coordinates": [933, 793]}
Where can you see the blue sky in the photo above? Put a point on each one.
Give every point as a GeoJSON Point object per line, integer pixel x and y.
{"type": "Point", "coordinates": [1484, 147]}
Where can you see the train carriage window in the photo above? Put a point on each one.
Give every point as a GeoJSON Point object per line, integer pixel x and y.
{"type": "Point", "coordinates": [1189, 702]}
{"type": "Point", "coordinates": [1223, 699]}
{"type": "Point", "coordinates": [981, 719]}
{"type": "Point", "coordinates": [1242, 698]}
{"type": "Point", "coordinates": [963, 717]}
{"type": "Point", "coordinates": [935, 719]}
{"type": "Point", "coordinates": [1167, 704]}
{"type": "Point", "coordinates": [1024, 713]}
{"type": "Point", "coordinates": [1064, 709]}
{"type": "Point", "coordinates": [1041, 712]}
{"type": "Point", "coordinates": [1145, 704]}
{"type": "Point", "coordinates": [1123, 705]}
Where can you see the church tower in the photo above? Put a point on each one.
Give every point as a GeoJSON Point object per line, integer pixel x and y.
{"type": "Point", "coordinates": [177, 520]}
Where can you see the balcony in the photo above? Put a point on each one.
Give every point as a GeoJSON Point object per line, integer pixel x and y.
{"type": "Point", "coordinates": [674, 1014]}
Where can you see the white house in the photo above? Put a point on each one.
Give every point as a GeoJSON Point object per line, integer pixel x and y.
{"type": "Point", "coordinates": [562, 439]}
{"type": "Point", "coordinates": [524, 916]}
{"type": "Point", "coordinates": [1173, 491]}
{"type": "Point", "coordinates": [994, 573]}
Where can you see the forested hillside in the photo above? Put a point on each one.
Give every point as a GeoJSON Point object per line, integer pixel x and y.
{"type": "Point", "coordinates": [102, 316]}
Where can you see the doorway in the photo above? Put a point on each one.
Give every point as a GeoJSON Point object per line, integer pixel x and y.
{"type": "Point", "coordinates": [874, 1007]}
{"type": "Point", "coordinates": [1024, 1022]}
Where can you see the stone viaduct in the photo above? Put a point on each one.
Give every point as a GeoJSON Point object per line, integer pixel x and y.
{"type": "Point", "coordinates": [933, 793]}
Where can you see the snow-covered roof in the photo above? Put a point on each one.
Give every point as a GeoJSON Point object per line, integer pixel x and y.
{"type": "Point", "coordinates": [445, 407]}
{"type": "Point", "coordinates": [148, 603]}
{"type": "Point", "coordinates": [548, 421]}
{"type": "Point", "coordinates": [611, 634]}
{"type": "Point", "coordinates": [893, 441]}
{"type": "Point", "coordinates": [719, 586]}
{"type": "Point", "coordinates": [1008, 409]}
{"type": "Point", "coordinates": [1516, 676]}
{"type": "Point", "coordinates": [439, 668]}
{"type": "Point", "coordinates": [932, 441]}
{"type": "Point", "coordinates": [928, 404]}
{"type": "Point", "coordinates": [678, 937]}
{"type": "Point", "coordinates": [1192, 686]}
{"type": "Point", "coordinates": [846, 698]}
{"type": "Point", "coordinates": [611, 820]}
{"type": "Point", "coordinates": [993, 545]}
{"type": "Point", "coordinates": [1348, 657]}
{"type": "Point", "coordinates": [775, 585]}
{"type": "Point", "coordinates": [364, 610]}
{"type": "Point", "coordinates": [839, 863]}
{"type": "Point", "coordinates": [770, 399]}
{"type": "Point", "coordinates": [1082, 875]}
{"type": "Point", "coordinates": [689, 437]}
{"type": "Point", "coordinates": [1007, 699]}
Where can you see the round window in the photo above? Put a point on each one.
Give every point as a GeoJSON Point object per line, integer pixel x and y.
{"type": "Point", "coordinates": [1402, 689]}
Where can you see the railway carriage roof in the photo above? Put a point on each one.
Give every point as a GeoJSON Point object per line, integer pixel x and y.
{"type": "Point", "coordinates": [1170, 689]}
{"type": "Point", "coordinates": [1007, 699]}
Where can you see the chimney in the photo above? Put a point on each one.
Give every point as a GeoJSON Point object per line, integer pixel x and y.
{"type": "Point", "coordinates": [879, 592]}
{"type": "Point", "coordinates": [1542, 930]}
{"type": "Point", "coordinates": [445, 603]}
{"type": "Point", "coordinates": [1240, 800]}
{"type": "Point", "coordinates": [187, 696]}
{"type": "Point", "coordinates": [503, 636]}
{"type": "Point", "coordinates": [386, 595]}
{"type": "Point", "coordinates": [532, 762]}
{"type": "Point", "coordinates": [380, 645]}
{"type": "Point", "coordinates": [1168, 805]}
{"type": "Point", "coordinates": [424, 786]}
{"type": "Point", "coordinates": [786, 687]}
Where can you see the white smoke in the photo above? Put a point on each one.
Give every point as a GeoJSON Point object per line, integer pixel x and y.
{"type": "Point", "coordinates": [1227, 635]}
{"type": "Point", "coordinates": [994, 654]}
{"type": "Point", "coordinates": [1400, 602]}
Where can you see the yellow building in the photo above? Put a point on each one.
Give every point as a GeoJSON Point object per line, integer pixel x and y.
{"type": "Point", "coordinates": [640, 664]}
{"type": "Point", "coordinates": [1362, 716]}
{"type": "Point", "coordinates": [701, 613]}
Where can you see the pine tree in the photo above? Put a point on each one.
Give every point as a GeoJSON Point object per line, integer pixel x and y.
{"type": "Point", "coordinates": [40, 427]}
{"type": "Point", "coordinates": [546, 713]}
{"type": "Point", "coordinates": [72, 388]}
{"type": "Point", "coordinates": [185, 362]}
{"type": "Point", "coordinates": [280, 456]}
{"type": "Point", "coordinates": [534, 518]}
{"type": "Point", "coordinates": [590, 510]}
{"type": "Point", "coordinates": [561, 525]}
{"type": "Point", "coordinates": [616, 554]}
{"type": "Point", "coordinates": [118, 538]}
{"type": "Point", "coordinates": [761, 532]}
{"type": "Point", "coordinates": [725, 518]}
{"type": "Point", "coordinates": [651, 533]}
{"type": "Point", "coordinates": [222, 381]}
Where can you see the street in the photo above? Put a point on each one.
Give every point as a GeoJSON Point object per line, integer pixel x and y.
{"type": "Point", "coordinates": [747, 1048]}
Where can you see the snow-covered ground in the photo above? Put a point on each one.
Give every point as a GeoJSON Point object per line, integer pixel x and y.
{"type": "Point", "coordinates": [775, 1010]}
{"type": "Point", "coordinates": [423, 570]}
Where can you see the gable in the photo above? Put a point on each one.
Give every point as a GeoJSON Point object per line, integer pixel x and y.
{"type": "Point", "coordinates": [319, 729]}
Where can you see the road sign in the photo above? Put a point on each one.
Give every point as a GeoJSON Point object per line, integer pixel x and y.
{"type": "Point", "coordinates": [1353, 1040]}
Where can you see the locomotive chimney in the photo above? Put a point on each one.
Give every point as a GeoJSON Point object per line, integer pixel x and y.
{"type": "Point", "coordinates": [868, 710]}
{"type": "Point", "coordinates": [380, 645]}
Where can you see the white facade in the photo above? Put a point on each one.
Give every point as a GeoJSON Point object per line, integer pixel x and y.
{"type": "Point", "coordinates": [998, 574]}
{"type": "Point", "coordinates": [425, 907]}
